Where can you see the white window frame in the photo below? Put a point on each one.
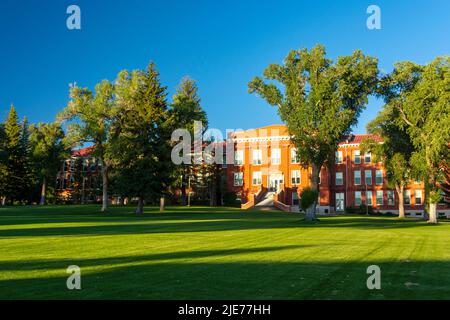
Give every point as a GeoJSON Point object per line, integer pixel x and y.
{"type": "Point", "coordinates": [358, 197]}
{"type": "Point", "coordinates": [415, 197]}
{"type": "Point", "coordinates": [357, 172]}
{"type": "Point", "coordinates": [391, 192]}
{"type": "Point", "coordinates": [257, 156]}
{"type": "Point", "coordinates": [367, 174]}
{"type": "Point", "coordinates": [342, 178]}
{"type": "Point", "coordinates": [340, 200]}
{"type": "Point", "coordinates": [238, 182]}
{"type": "Point", "coordinates": [239, 158]}
{"type": "Point", "coordinates": [382, 195]}
{"type": "Point", "coordinates": [339, 157]}
{"type": "Point", "coordinates": [407, 195]}
{"type": "Point", "coordinates": [296, 177]}
{"type": "Point", "coordinates": [367, 155]}
{"type": "Point", "coordinates": [275, 156]}
{"type": "Point", "coordinates": [256, 178]}
{"type": "Point", "coordinates": [376, 177]}
{"type": "Point", "coordinates": [369, 192]}
{"type": "Point", "coordinates": [357, 155]}
{"type": "Point", "coordinates": [294, 159]}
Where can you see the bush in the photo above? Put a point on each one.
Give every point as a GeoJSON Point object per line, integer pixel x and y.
{"type": "Point", "coordinates": [230, 199]}
{"type": "Point", "coordinates": [308, 196]}
{"type": "Point", "coordinates": [351, 210]}
{"type": "Point", "coordinates": [362, 209]}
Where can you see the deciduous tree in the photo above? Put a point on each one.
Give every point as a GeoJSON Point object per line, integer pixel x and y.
{"type": "Point", "coordinates": [394, 151]}
{"type": "Point", "coordinates": [48, 151]}
{"type": "Point", "coordinates": [91, 118]}
{"type": "Point", "coordinates": [421, 94]}
{"type": "Point", "coordinates": [320, 101]}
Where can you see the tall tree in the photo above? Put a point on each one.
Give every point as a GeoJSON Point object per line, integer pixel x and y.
{"type": "Point", "coordinates": [3, 167]}
{"type": "Point", "coordinates": [421, 94]}
{"type": "Point", "coordinates": [91, 119]}
{"type": "Point", "coordinates": [185, 109]}
{"type": "Point", "coordinates": [142, 149]}
{"type": "Point", "coordinates": [395, 151]}
{"type": "Point", "coordinates": [26, 167]}
{"type": "Point", "coordinates": [320, 103]}
{"type": "Point", "coordinates": [17, 177]}
{"type": "Point", "coordinates": [48, 151]}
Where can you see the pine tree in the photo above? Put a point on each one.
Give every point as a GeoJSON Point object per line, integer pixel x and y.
{"type": "Point", "coordinates": [3, 167]}
{"type": "Point", "coordinates": [185, 109]}
{"type": "Point", "coordinates": [13, 151]}
{"type": "Point", "coordinates": [142, 150]}
{"type": "Point", "coordinates": [26, 173]}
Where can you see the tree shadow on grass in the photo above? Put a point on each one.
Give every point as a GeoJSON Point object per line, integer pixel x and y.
{"type": "Point", "coordinates": [212, 224]}
{"type": "Point", "coordinates": [241, 280]}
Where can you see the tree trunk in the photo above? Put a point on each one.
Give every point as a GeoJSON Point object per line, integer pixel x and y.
{"type": "Point", "coordinates": [432, 213]}
{"type": "Point", "coordinates": [426, 214]}
{"type": "Point", "coordinates": [3, 201]}
{"type": "Point", "coordinates": [43, 191]}
{"type": "Point", "coordinates": [161, 204]}
{"type": "Point", "coordinates": [140, 206]}
{"type": "Point", "coordinates": [401, 205]}
{"type": "Point", "coordinates": [311, 211]}
{"type": "Point", "coordinates": [105, 187]}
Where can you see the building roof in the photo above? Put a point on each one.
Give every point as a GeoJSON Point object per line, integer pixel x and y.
{"type": "Point", "coordinates": [82, 152]}
{"type": "Point", "coordinates": [358, 138]}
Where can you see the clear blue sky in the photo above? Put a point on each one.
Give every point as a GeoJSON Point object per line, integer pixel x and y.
{"type": "Point", "coordinates": [221, 44]}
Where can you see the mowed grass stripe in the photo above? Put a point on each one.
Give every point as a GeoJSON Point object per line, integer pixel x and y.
{"type": "Point", "coordinates": [217, 253]}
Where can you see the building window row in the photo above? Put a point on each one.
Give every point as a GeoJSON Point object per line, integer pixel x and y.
{"type": "Point", "coordinates": [275, 157]}
{"type": "Point", "coordinates": [356, 157]}
{"type": "Point", "coordinates": [390, 197]}
{"type": "Point", "coordinates": [357, 177]}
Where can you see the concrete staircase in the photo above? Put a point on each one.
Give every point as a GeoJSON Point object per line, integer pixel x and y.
{"type": "Point", "coordinates": [266, 202]}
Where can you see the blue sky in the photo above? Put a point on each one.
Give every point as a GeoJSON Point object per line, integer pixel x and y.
{"type": "Point", "coordinates": [221, 44]}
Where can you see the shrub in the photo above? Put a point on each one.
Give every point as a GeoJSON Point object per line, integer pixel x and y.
{"type": "Point", "coordinates": [308, 196]}
{"type": "Point", "coordinates": [230, 199]}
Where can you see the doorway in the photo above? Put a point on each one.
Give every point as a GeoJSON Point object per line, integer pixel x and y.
{"type": "Point", "coordinates": [274, 182]}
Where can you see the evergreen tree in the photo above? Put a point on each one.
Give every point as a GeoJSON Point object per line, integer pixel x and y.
{"type": "Point", "coordinates": [3, 167]}
{"type": "Point", "coordinates": [142, 149]}
{"type": "Point", "coordinates": [185, 109]}
{"type": "Point", "coordinates": [14, 157]}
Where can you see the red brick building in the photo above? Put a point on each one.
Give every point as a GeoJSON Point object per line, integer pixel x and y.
{"type": "Point", "coordinates": [266, 163]}
{"type": "Point", "coordinates": [79, 179]}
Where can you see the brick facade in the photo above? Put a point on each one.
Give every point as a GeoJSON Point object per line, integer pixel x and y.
{"type": "Point", "coordinates": [353, 180]}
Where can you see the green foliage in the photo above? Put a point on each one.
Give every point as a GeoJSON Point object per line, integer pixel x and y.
{"type": "Point", "coordinates": [186, 108]}
{"type": "Point", "coordinates": [308, 198]}
{"type": "Point", "coordinates": [321, 100]}
{"type": "Point", "coordinates": [142, 149]}
{"type": "Point", "coordinates": [16, 171]}
{"type": "Point", "coordinates": [421, 96]}
{"type": "Point", "coordinates": [230, 199]}
{"type": "Point", "coordinates": [48, 151]}
{"type": "Point", "coordinates": [92, 118]}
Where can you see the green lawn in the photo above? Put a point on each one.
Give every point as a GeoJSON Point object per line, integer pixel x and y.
{"type": "Point", "coordinates": [204, 253]}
